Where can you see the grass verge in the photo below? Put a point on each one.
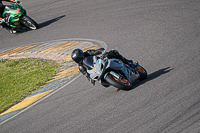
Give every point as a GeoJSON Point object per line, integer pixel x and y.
{"type": "Point", "coordinates": [19, 78]}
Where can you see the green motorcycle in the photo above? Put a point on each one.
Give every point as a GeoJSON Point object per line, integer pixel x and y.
{"type": "Point", "coordinates": [17, 19]}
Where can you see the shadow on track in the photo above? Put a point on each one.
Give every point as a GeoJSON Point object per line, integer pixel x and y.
{"type": "Point", "coordinates": [151, 76]}
{"type": "Point", "coordinates": [44, 24]}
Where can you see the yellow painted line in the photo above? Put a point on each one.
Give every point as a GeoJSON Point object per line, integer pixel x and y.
{"type": "Point", "coordinates": [66, 46]}
{"type": "Point", "coordinates": [68, 72]}
{"type": "Point", "coordinates": [26, 102]}
{"type": "Point", "coordinates": [17, 50]}
{"type": "Point", "coordinates": [68, 58]}
{"type": "Point", "coordinates": [51, 48]}
{"type": "Point", "coordinates": [62, 46]}
{"type": "Point", "coordinates": [71, 70]}
{"type": "Point", "coordinates": [90, 48]}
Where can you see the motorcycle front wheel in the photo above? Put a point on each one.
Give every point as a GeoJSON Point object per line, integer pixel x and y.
{"type": "Point", "coordinates": [118, 83]}
{"type": "Point", "coordinates": [29, 22]}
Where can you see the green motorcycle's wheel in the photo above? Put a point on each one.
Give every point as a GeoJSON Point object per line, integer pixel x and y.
{"type": "Point", "coordinates": [12, 31]}
{"type": "Point", "coordinates": [29, 22]}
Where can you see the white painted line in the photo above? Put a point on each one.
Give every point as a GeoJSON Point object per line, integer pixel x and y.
{"type": "Point", "coordinates": [42, 99]}
{"type": "Point", "coordinates": [103, 44]}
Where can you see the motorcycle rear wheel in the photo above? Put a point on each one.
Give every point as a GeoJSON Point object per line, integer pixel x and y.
{"type": "Point", "coordinates": [118, 83]}
{"type": "Point", "coordinates": [143, 73]}
{"type": "Point", "coordinates": [29, 22]}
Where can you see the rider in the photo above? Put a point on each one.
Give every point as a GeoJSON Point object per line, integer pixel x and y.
{"type": "Point", "coordinates": [78, 55]}
{"type": "Point", "coordinates": [2, 7]}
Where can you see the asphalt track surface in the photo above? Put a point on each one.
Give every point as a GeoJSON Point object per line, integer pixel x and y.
{"type": "Point", "coordinates": [162, 35]}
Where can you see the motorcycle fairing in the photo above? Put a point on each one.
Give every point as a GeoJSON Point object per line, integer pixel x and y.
{"type": "Point", "coordinates": [118, 65]}
{"type": "Point", "coordinates": [13, 12]}
{"type": "Point", "coordinates": [97, 67]}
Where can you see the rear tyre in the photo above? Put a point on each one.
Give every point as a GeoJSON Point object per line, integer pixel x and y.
{"type": "Point", "coordinates": [29, 22]}
{"type": "Point", "coordinates": [142, 72]}
{"type": "Point", "coordinates": [118, 83]}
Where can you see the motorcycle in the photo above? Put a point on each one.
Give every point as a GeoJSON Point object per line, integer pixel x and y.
{"type": "Point", "coordinates": [17, 19]}
{"type": "Point", "coordinates": [114, 72]}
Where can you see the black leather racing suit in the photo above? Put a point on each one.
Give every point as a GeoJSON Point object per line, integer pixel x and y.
{"type": "Point", "coordinates": [110, 54]}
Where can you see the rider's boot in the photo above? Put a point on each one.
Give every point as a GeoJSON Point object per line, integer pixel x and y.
{"type": "Point", "coordinates": [134, 64]}
{"type": "Point", "coordinates": [131, 63]}
{"type": "Point", "coordinates": [119, 56]}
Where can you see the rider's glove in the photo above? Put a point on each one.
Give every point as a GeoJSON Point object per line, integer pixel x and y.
{"type": "Point", "coordinates": [99, 51]}
{"type": "Point", "coordinates": [105, 55]}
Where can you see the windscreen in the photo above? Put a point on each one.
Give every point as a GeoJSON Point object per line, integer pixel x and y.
{"type": "Point", "coordinates": [88, 62]}
{"type": "Point", "coordinates": [9, 8]}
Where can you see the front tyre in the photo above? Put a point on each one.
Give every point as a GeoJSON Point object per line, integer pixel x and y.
{"type": "Point", "coordinates": [117, 82]}
{"type": "Point", "coordinates": [29, 22]}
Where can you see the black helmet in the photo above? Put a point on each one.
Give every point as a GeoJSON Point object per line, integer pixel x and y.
{"type": "Point", "coordinates": [77, 55]}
